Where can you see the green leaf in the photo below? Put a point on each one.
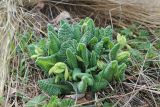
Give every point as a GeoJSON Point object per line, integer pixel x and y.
{"type": "Point", "coordinates": [50, 28]}
{"type": "Point", "coordinates": [93, 59]}
{"type": "Point", "coordinates": [39, 51]}
{"type": "Point", "coordinates": [109, 71]}
{"type": "Point", "coordinates": [93, 41]}
{"type": "Point", "coordinates": [120, 74]}
{"type": "Point", "coordinates": [2, 100]}
{"type": "Point", "coordinates": [66, 74]}
{"type": "Point", "coordinates": [77, 74]}
{"type": "Point", "coordinates": [101, 64]}
{"type": "Point", "coordinates": [83, 52]}
{"type": "Point", "coordinates": [82, 86]}
{"type": "Point", "coordinates": [88, 25]}
{"type": "Point", "coordinates": [98, 48]}
{"type": "Point", "coordinates": [71, 59]}
{"type": "Point", "coordinates": [67, 103]}
{"type": "Point", "coordinates": [114, 51]}
{"type": "Point", "coordinates": [105, 32]}
{"type": "Point", "coordinates": [76, 71]}
{"type": "Point", "coordinates": [79, 58]}
{"type": "Point", "coordinates": [152, 53]}
{"type": "Point", "coordinates": [34, 56]}
{"type": "Point", "coordinates": [53, 43]}
{"type": "Point", "coordinates": [57, 78]}
{"type": "Point", "coordinates": [106, 42]}
{"type": "Point", "coordinates": [36, 101]}
{"type": "Point", "coordinates": [52, 88]}
{"type": "Point", "coordinates": [114, 66]}
{"type": "Point", "coordinates": [87, 36]}
{"type": "Point", "coordinates": [31, 49]}
{"type": "Point", "coordinates": [109, 32]}
{"type": "Point", "coordinates": [123, 56]}
{"type": "Point", "coordinates": [77, 31]}
{"type": "Point", "coordinates": [24, 40]}
{"type": "Point", "coordinates": [54, 102]}
{"type": "Point", "coordinates": [96, 33]}
{"type": "Point", "coordinates": [65, 32]}
{"type": "Point", "coordinates": [143, 32]}
{"type": "Point", "coordinates": [90, 70]}
{"type": "Point", "coordinates": [45, 63]}
{"type": "Point", "coordinates": [121, 40]}
{"type": "Point", "coordinates": [71, 44]}
{"type": "Point", "coordinates": [127, 32]}
{"type": "Point", "coordinates": [49, 87]}
{"type": "Point", "coordinates": [136, 55]}
{"type": "Point", "coordinates": [88, 79]}
{"type": "Point", "coordinates": [58, 68]}
{"type": "Point", "coordinates": [99, 83]}
{"type": "Point", "coordinates": [42, 44]}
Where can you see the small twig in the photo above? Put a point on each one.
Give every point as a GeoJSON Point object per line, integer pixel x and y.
{"type": "Point", "coordinates": [107, 97]}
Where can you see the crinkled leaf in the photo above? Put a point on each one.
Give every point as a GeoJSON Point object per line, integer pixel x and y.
{"type": "Point", "coordinates": [67, 103]}
{"type": "Point", "coordinates": [31, 49]}
{"type": "Point", "coordinates": [64, 46]}
{"type": "Point", "coordinates": [99, 83]}
{"type": "Point", "coordinates": [42, 44]}
{"type": "Point", "coordinates": [36, 101]}
{"type": "Point", "coordinates": [71, 58]}
{"type": "Point", "coordinates": [52, 88]}
{"type": "Point", "coordinates": [50, 28]}
{"type": "Point", "coordinates": [143, 32]}
{"type": "Point", "coordinates": [65, 32]}
{"type": "Point", "coordinates": [77, 31]}
{"type": "Point", "coordinates": [88, 25]}
{"type": "Point", "coordinates": [98, 48]}
{"type": "Point", "coordinates": [83, 52]}
{"type": "Point", "coordinates": [53, 102]}
{"type": "Point", "coordinates": [53, 43]}
{"type": "Point", "coordinates": [101, 64]}
{"type": "Point", "coordinates": [93, 41]}
{"type": "Point", "coordinates": [114, 51]}
{"type": "Point", "coordinates": [109, 71]}
{"type": "Point", "coordinates": [123, 56]}
{"type": "Point", "coordinates": [119, 75]}
{"type": "Point", "coordinates": [93, 59]}
{"type": "Point", "coordinates": [109, 32]}
{"type": "Point", "coordinates": [87, 36]}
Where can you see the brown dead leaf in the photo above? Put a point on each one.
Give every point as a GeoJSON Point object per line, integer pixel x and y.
{"type": "Point", "coordinates": [40, 5]}
{"type": "Point", "coordinates": [63, 15]}
{"type": "Point", "coordinates": [82, 100]}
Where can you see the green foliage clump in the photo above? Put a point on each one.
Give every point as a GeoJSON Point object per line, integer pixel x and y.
{"type": "Point", "coordinates": [56, 102]}
{"type": "Point", "coordinates": [80, 54]}
{"type": "Point", "coordinates": [142, 45]}
{"type": "Point", "coordinates": [40, 101]}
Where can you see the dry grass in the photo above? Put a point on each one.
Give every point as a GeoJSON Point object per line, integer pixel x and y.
{"type": "Point", "coordinates": [7, 30]}
{"type": "Point", "coordinates": [19, 16]}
